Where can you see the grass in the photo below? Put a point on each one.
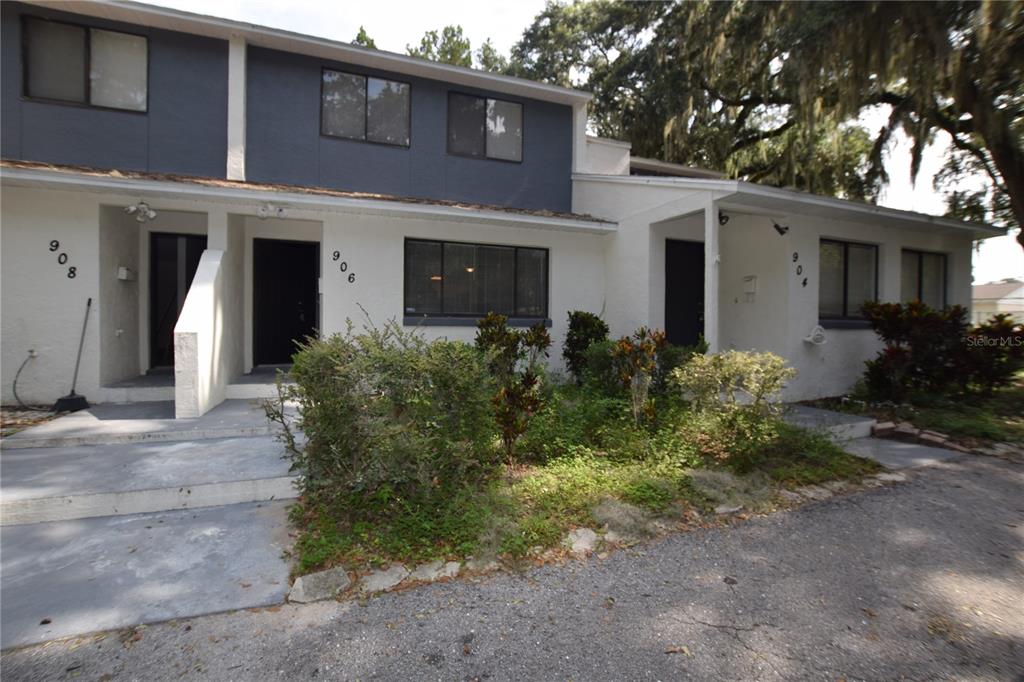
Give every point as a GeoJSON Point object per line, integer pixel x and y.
{"type": "Point", "coordinates": [515, 512]}
{"type": "Point", "coordinates": [976, 420]}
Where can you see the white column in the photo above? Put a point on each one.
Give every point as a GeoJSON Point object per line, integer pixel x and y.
{"type": "Point", "coordinates": [236, 109]}
{"type": "Point", "coordinates": [579, 138]}
{"type": "Point", "coordinates": [711, 267]}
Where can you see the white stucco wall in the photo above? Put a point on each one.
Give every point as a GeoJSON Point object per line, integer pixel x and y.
{"type": "Point", "coordinates": [119, 299]}
{"type": "Point", "coordinates": [606, 157]}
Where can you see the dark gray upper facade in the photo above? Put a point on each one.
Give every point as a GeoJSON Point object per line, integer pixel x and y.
{"type": "Point", "coordinates": [183, 131]}
{"type": "Point", "coordinates": [284, 144]}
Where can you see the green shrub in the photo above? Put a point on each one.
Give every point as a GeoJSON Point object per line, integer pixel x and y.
{"type": "Point", "coordinates": [670, 357]}
{"type": "Point", "coordinates": [585, 329]}
{"type": "Point", "coordinates": [572, 417]}
{"type": "Point", "coordinates": [714, 382]}
{"type": "Point", "coordinates": [599, 373]}
{"type": "Point", "coordinates": [387, 414]}
{"type": "Point", "coordinates": [513, 357]}
{"type": "Point", "coordinates": [936, 352]}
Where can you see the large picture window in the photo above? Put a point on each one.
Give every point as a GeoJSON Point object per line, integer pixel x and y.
{"type": "Point", "coordinates": [79, 65]}
{"type": "Point", "coordinates": [848, 274]}
{"type": "Point", "coordinates": [454, 279]}
{"type": "Point", "coordinates": [923, 278]}
{"type": "Point", "coordinates": [483, 127]}
{"type": "Point", "coordinates": [364, 108]}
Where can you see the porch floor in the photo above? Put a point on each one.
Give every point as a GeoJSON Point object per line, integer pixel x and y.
{"type": "Point", "coordinates": [111, 423]}
{"type": "Point", "coordinates": [154, 380]}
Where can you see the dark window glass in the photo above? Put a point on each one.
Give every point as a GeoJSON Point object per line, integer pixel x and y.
{"type": "Point", "coordinates": [451, 278]}
{"type": "Point", "coordinates": [531, 283]}
{"type": "Point", "coordinates": [466, 125]}
{"type": "Point", "coordinates": [923, 278]}
{"type": "Point", "coordinates": [422, 278]}
{"type": "Point", "coordinates": [56, 56]}
{"type": "Point", "coordinates": [848, 278]}
{"type": "Point", "coordinates": [344, 105]}
{"type": "Point", "coordinates": [387, 112]}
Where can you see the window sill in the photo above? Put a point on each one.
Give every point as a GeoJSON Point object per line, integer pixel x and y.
{"type": "Point", "coordinates": [442, 321]}
{"type": "Point", "coordinates": [850, 323]}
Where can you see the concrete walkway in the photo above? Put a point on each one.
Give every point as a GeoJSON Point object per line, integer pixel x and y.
{"type": "Point", "coordinates": [120, 515]}
{"type": "Point", "coordinates": [114, 423]}
{"type": "Point", "coordinates": [921, 580]}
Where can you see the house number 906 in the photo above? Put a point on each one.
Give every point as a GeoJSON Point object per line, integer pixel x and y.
{"type": "Point", "coordinates": [343, 266]}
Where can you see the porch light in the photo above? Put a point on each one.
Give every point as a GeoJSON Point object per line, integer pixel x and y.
{"type": "Point", "coordinates": [435, 278]}
{"type": "Point", "coordinates": [268, 210]}
{"type": "Point", "coordinates": [141, 211]}
{"type": "Point", "coordinates": [722, 218]}
{"type": "Point", "coordinates": [470, 269]}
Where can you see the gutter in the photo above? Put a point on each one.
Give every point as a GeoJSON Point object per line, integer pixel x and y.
{"type": "Point", "coordinates": [22, 177]}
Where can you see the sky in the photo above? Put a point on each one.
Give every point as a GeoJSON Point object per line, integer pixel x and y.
{"type": "Point", "coordinates": [393, 24]}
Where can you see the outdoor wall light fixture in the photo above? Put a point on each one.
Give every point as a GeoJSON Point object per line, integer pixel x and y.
{"type": "Point", "coordinates": [141, 211]}
{"type": "Point", "coordinates": [722, 218]}
{"type": "Point", "coordinates": [269, 210]}
{"type": "Point", "coordinates": [781, 229]}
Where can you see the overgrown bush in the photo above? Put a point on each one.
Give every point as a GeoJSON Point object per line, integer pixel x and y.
{"type": "Point", "coordinates": [936, 352]}
{"type": "Point", "coordinates": [386, 413]}
{"type": "Point", "coordinates": [513, 357]}
{"type": "Point", "coordinates": [585, 329]}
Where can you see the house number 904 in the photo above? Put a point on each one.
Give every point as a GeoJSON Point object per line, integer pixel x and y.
{"type": "Point", "coordinates": [343, 266]}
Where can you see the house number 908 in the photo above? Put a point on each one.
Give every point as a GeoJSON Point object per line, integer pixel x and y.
{"type": "Point", "coordinates": [343, 266]}
{"type": "Point", "coordinates": [62, 259]}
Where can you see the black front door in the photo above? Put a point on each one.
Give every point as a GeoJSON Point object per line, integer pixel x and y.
{"type": "Point", "coordinates": [285, 297]}
{"type": "Point", "coordinates": [173, 259]}
{"type": "Point", "coordinates": [684, 291]}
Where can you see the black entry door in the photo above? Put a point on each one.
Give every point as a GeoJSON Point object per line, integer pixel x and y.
{"type": "Point", "coordinates": [173, 259]}
{"type": "Point", "coordinates": [684, 291]}
{"type": "Point", "coordinates": [285, 298]}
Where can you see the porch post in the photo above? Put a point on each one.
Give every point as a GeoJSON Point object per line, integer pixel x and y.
{"type": "Point", "coordinates": [236, 109]}
{"type": "Point", "coordinates": [711, 263]}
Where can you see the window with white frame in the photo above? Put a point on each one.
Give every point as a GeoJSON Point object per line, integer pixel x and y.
{"type": "Point", "coordinates": [358, 107]}
{"type": "Point", "coordinates": [484, 127]}
{"type": "Point", "coordinates": [78, 65]}
{"type": "Point", "coordinates": [848, 278]}
{"type": "Point", "coordinates": [923, 278]}
{"type": "Point", "coordinates": [456, 279]}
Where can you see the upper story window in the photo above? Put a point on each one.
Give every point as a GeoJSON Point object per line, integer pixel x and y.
{"type": "Point", "coordinates": [364, 108]}
{"type": "Point", "coordinates": [923, 278]}
{"type": "Point", "coordinates": [848, 278]}
{"type": "Point", "coordinates": [485, 128]}
{"type": "Point", "coordinates": [69, 63]}
{"type": "Point", "coordinates": [470, 280]}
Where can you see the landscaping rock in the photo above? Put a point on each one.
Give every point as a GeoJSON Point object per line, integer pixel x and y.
{"type": "Point", "coordinates": [891, 477]}
{"type": "Point", "coordinates": [934, 434]}
{"type": "Point", "coordinates": [482, 565]}
{"type": "Point", "coordinates": [814, 492]}
{"type": "Point", "coordinates": [723, 509]}
{"type": "Point", "coordinates": [906, 432]}
{"type": "Point", "coordinates": [383, 580]}
{"type": "Point", "coordinates": [435, 570]}
{"type": "Point", "coordinates": [928, 438]}
{"type": "Point", "coordinates": [950, 445]}
{"type": "Point", "coordinates": [581, 541]}
{"type": "Point", "coordinates": [836, 487]}
{"type": "Point", "coordinates": [790, 496]}
{"type": "Point", "coordinates": [319, 586]}
{"type": "Point", "coordinates": [883, 429]}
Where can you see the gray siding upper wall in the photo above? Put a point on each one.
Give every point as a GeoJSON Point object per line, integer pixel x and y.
{"type": "Point", "coordinates": [184, 131]}
{"type": "Point", "coordinates": [284, 144]}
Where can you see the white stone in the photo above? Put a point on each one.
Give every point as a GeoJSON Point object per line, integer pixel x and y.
{"type": "Point", "coordinates": [581, 541]}
{"type": "Point", "coordinates": [891, 477]}
{"type": "Point", "coordinates": [318, 586]}
{"type": "Point", "coordinates": [727, 509]}
{"type": "Point", "coordinates": [814, 492]}
{"type": "Point", "coordinates": [482, 565]}
{"type": "Point", "coordinates": [435, 570]}
{"type": "Point", "coordinates": [383, 580]}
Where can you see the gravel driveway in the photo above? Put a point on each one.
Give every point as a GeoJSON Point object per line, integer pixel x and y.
{"type": "Point", "coordinates": [923, 580]}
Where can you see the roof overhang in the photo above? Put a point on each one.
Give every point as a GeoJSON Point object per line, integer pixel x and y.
{"type": "Point", "coordinates": [289, 41]}
{"type": "Point", "coordinates": [751, 197]}
{"type": "Point", "coordinates": [251, 197]}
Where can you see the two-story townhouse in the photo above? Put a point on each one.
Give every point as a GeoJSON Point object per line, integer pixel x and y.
{"type": "Point", "coordinates": [219, 190]}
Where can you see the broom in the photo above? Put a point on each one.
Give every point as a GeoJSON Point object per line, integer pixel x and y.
{"type": "Point", "coordinates": [73, 402]}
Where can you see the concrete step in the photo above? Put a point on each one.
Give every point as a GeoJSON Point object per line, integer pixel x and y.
{"type": "Point", "coordinates": [53, 484]}
{"type": "Point", "coordinates": [142, 422]}
{"type": "Point", "coordinates": [132, 394]}
{"type": "Point", "coordinates": [840, 426]}
{"type": "Point", "coordinates": [71, 578]}
{"type": "Point", "coordinates": [250, 391]}
{"type": "Point", "coordinates": [894, 454]}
